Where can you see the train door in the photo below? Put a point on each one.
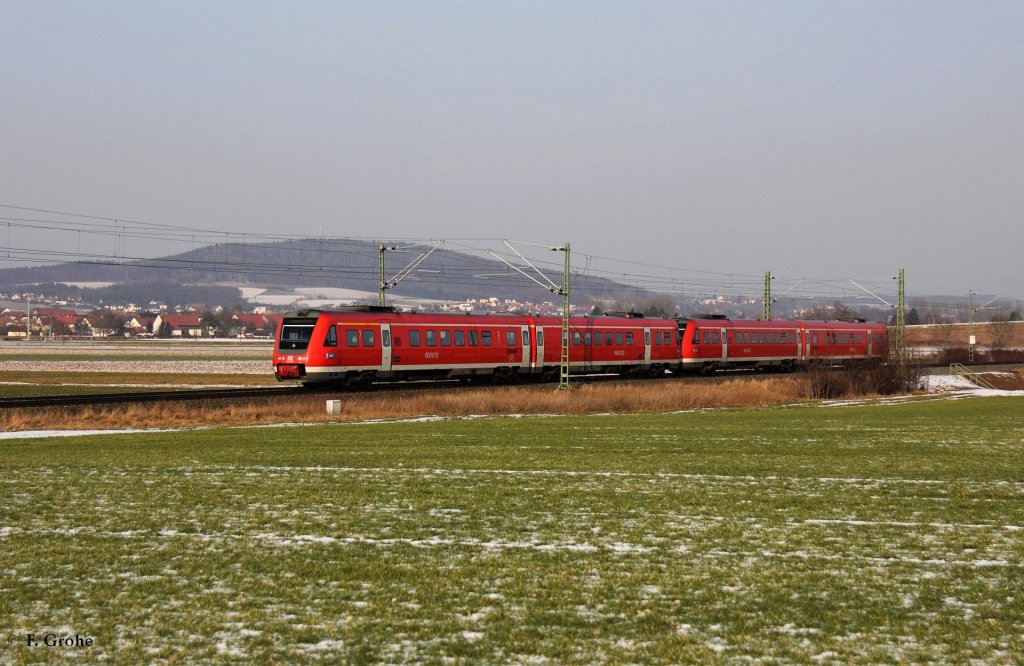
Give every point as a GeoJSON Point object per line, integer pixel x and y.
{"type": "Point", "coordinates": [524, 334]}
{"type": "Point", "coordinates": [725, 344]}
{"type": "Point", "coordinates": [647, 346]}
{"type": "Point", "coordinates": [385, 343]}
{"type": "Point", "coordinates": [538, 342]}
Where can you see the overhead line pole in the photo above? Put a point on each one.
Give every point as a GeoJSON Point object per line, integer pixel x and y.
{"type": "Point", "coordinates": [970, 325]}
{"type": "Point", "coordinates": [563, 370]}
{"type": "Point", "coordinates": [563, 290]}
{"type": "Point", "coordinates": [766, 307]}
{"type": "Point", "coordinates": [400, 275]}
{"type": "Point", "coordinates": [901, 320]}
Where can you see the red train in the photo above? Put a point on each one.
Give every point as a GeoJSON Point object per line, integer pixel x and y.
{"type": "Point", "coordinates": [362, 344]}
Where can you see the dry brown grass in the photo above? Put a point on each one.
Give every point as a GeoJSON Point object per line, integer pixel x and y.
{"type": "Point", "coordinates": [639, 397]}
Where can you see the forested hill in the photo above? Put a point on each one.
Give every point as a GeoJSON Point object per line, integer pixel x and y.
{"type": "Point", "coordinates": [349, 264]}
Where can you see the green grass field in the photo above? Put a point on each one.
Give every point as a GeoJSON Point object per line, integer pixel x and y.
{"type": "Point", "coordinates": [824, 535]}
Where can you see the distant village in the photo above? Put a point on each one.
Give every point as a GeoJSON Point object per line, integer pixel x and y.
{"type": "Point", "coordinates": [156, 319]}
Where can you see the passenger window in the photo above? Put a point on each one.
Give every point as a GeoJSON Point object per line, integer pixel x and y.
{"type": "Point", "coordinates": [332, 338]}
{"type": "Point", "coordinates": [446, 338]}
{"type": "Point", "coordinates": [608, 339]}
{"type": "Point", "coordinates": [707, 337]}
{"type": "Point", "coordinates": [618, 338]}
{"type": "Point", "coordinates": [814, 338]}
{"type": "Point", "coordinates": [472, 338]}
{"type": "Point", "coordinates": [352, 338]}
{"type": "Point", "coordinates": [629, 339]}
{"type": "Point", "coordinates": [588, 339]}
{"type": "Point", "coordinates": [368, 339]}
{"type": "Point", "coordinates": [696, 337]}
{"type": "Point", "coordinates": [526, 338]}
{"type": "Point", "coordinates": [460, 339]}
{"type": "Point", "coordinates": [414, 338]}
{"type": "Point", "coordinates": [510, 338]}
{"type": "Point", "coordinates": [486, 338]}
{"type": "Point", "coordinates": [540, 338]}
{"type": "Point", "coordinates": [597, 339]}
{"type": "Point", "coordinates": [714, 337]}
{"type": "Point", "coordinates": [385, 338]}
{"type": "Point", "coordinates": [431, 338]}
{"type": "Point", "coordinates": [576, 338]}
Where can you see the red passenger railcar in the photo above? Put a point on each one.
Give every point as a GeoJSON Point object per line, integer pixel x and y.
{"type": "Point", "coordinates": [362, 344]}
{"type": "Point", "coordinates": [716, 343]}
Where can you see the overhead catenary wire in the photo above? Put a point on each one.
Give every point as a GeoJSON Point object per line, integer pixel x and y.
{"type": "Point", "coordinates": [465, 263]}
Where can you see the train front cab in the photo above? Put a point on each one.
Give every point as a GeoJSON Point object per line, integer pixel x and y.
{"type": "Point", "coordinates": [320, 347]}
{"type": "Point", "coordinates": [291, 347]}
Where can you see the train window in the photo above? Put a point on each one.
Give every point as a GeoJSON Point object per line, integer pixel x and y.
{"type": "Point", "coordinates": [510, 338]}
{"type": "Point", "coordinates": [446, 338]}
{"type": "Point", "coordinates": [540, 338]}
{"type": "Point", "coordinates": [460, 339]}
{"type": "Point", "coordinates": [696, 337]}
{"type": "Point", "coordinates": [588, 339]}
{"type": "Point", "coordinates": [431, 338]}
{"type": "Point", "coordinates": [814, 338]}
{"type": "Point", "coordinates": [352, 338]}
{"type": "Point", "coordinates": [707, 337]}
{"type": "Point", "coordinates": [576, 338]}
{"type": "Point", "coordinates": [714, 337]}
{"type": "Point", "coordinates": [385, 337]}
{"type": "Point", "coordinates": [860, 339]}
{"type": "Point", "coordinates": [629, 339]}
{"type": "Point", "coordinates": [296, 332]}
{"type": "Point", "coordinates": [414, 338]}
{"type": "Point", "coordinates": [526, 338]}
{"type": "Point", "coordinates": [485, 337]}
{"type": "Point", "coordinates": [618, 338]}
{"type": "Point", "coordinates": [332, 337]}
{"type": "Point", "coordinates": [775, 336]}
{"type": "Point", "coordinates": [597, 339]}
{"type": "Point", "coordinates": [608, 339]}
{"type": "Point", "coordinates": [368, 339]}
{"type": "Point", "coordinates": [473, 338]}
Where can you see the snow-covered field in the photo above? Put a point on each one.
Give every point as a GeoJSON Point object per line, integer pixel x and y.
{"type": "Point", "coordinates": [892, 533]}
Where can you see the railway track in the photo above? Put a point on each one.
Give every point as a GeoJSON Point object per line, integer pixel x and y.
{"type": "Point", "coordinates": [294, 391]}
{"type": "Point", "coordinates": [145, 396]}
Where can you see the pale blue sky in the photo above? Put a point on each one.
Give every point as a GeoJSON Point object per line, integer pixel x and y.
{"type": "Point", "coordinates": [820, 139]}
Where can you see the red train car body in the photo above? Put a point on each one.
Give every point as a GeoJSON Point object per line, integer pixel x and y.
{"type": "Point", "coordinates": [709, 344]}
{"type": "Point", "coordinates": [363, 344]}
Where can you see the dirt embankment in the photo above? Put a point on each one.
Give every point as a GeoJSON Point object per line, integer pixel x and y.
{"type": "Point", "coordinates": [995, 335]}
